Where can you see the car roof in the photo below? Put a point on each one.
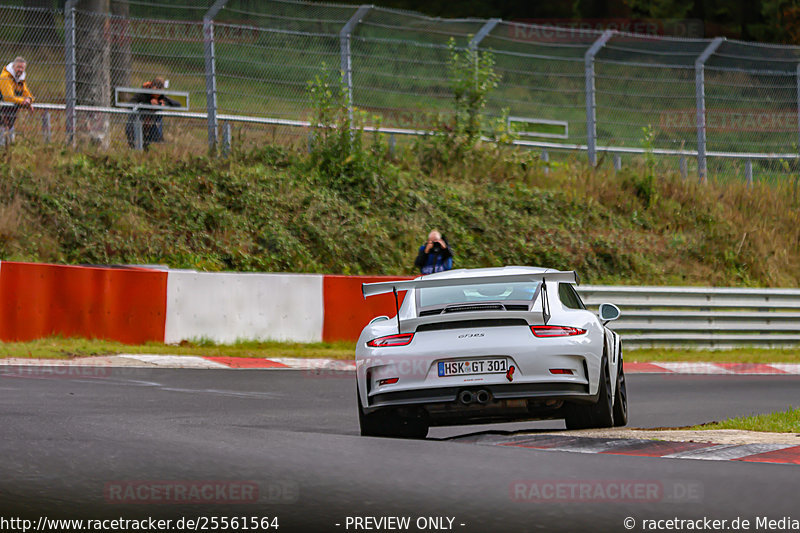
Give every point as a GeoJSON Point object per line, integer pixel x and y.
{"type": "Point", "coordinates": [483, 272]}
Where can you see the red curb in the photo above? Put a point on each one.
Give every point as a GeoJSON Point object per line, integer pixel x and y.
{"type": "Point", "coordinates": [541, 443]}
{"type": "Point", "coordinates": [641, 368]}
{"type": "Point", "coordinates": [785, 456]}
{"type": "Point", "coordinates": [246, 362]}
{"type": "Point", "coordinates": [751, 368]}
{"type": "Point", "coordinates": [657, 448]}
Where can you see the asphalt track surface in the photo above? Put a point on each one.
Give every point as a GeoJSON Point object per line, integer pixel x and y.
{"type": "Point", "coordinates": [67, 438]}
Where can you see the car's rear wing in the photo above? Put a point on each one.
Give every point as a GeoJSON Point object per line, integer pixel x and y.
{"type": "Point", "coordinates": [371, 289]}
{"type": "Point", "coordinates": [568, 276]}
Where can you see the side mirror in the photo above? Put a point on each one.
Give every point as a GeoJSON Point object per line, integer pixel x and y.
{"type": "Point", "coordinates": [379, 319]}
{"type": "Point", "coordinates": [608, 312]}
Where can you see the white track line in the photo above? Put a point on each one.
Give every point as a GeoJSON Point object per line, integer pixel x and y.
{"type": "Point", "coordinates": [175, 361]}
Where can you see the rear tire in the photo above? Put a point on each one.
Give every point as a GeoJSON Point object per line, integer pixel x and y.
{"type": "Point", "coordinates": [597, 415]}
{"type": "Point", "coordinates": [621, 397]}
{"type": "Point", "coordinates": [577, 416]}
{"type": "Point", "coordinates": [389, 424]}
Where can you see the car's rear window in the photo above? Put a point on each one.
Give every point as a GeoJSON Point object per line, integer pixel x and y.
{"type": "Point", "coordinates": [489, 292]}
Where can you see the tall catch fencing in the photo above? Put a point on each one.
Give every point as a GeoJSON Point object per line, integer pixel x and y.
{"type": "Point", "coordinates": [715, 107]}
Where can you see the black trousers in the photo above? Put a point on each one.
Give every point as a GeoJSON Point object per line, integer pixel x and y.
{"type": "Point", "coordinates": [8, 116]}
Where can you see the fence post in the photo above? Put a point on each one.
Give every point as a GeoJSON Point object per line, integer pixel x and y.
{"type": "Point", "coordinates": [684, 171]}
{"type": "Point", "coordinates": [46, 126]}
{"type": "Point", "coordinates": [69, 52]}
{"type": "Point", "coordinates": [485, 30]}
{"type": "Point", "coordinates": [138, 134]}
{"type": "Point", "coordinates": [748, 172]}
{"type": "Point", "coordinates": [226, 138]}
{"type": "Point", "coordinates": [346, 57]}
{"type": "Point", "coordinates": [591, 111]}
{"type": "Point", "coordinates": [211, 71]}
{"type": "Point", "coordinates": [798, 107]}
{"type": "Point", "coordinates": [546, 161]}
{"type": "Point", "coordinates": [617, 163]}
{"type": "Point", "coordinates": [700, 95]}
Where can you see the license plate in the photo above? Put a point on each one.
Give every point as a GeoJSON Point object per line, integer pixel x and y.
{"type": "Point", "coordinates": [472, 366]}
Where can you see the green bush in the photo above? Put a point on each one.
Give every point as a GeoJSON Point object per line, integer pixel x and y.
{"type": "Point", "coordinates": [272, 209]}
{"type": "Point", "coordinates": [339, 156]}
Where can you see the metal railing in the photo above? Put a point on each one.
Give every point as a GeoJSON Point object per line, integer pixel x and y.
{"type": "Point", "coordinates": [706, 99]}
{"type": "Point", "coordinates": [701, 317]}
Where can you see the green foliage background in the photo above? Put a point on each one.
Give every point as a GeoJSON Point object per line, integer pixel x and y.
{"type": "Point", "coordinates": [270, 210]}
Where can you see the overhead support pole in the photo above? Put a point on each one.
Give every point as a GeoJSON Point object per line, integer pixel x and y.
{"type": "Point", "coordinates": [591, 110]}
{"type": "Point", "coordinates": [69, 50]}
{"type": "Point", "coordinates": [485, 30]}
{"type": "Point", "coordinates": [346, 56]}
{"type": "Point", "coordinates": [211, 71]}
{"type": "Point", "coordinates": [700, 90]}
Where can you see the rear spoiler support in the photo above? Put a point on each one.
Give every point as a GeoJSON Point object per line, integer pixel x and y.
{"type": "Point", "coordinates": [545, 303]}
{"type": "Point", "coordinates": [396, 309]}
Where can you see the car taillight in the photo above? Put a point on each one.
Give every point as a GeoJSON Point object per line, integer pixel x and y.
{"type": "Point", "coordinates": [391, 340]}
{"type": "Point", "coordinates": [556, 331]}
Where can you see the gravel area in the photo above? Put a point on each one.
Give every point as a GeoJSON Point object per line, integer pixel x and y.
{"type": "Point", "coordinates": [717, 436]}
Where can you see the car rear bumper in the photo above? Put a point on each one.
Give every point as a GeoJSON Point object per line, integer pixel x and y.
{"type": "Point", "coordinates": [536, 391]}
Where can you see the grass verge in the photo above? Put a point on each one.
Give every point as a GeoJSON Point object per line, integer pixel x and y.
{"type": "Point", "coordinates": [781, 422]}
{"type": "Point", "coordinates": [68, 348]}
{"type": "Point", "coordinates": [61, 348]}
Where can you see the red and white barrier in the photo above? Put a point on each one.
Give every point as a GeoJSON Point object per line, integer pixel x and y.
{"type": "Point", "coordinates": [136, 305]}
{"type": "Point", "coordinates": [39, 300]}
{"type": "Point", "coordinates": [226, 307]}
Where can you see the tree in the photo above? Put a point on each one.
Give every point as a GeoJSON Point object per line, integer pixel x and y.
{"type": "Point", "coordinates": [782, 17]}
{"type": "Point", "coordinates": [121, 60]}
{"type": "Point", "coordinates": [661, 9]}
{"type": "Point", "coordinates": [92, 66]}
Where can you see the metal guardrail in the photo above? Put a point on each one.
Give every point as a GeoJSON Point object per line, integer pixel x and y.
{"type": "Point", "coordinates": [542, 145]}
{"type": "Point", "coordinates": [701, 317]}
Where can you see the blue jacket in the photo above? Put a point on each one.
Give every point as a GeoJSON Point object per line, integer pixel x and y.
{"type": "Point", "coordinates": [433, 261]}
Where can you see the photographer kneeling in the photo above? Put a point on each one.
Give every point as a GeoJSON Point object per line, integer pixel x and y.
{"type": "Point", "coordinates": [435, 255]}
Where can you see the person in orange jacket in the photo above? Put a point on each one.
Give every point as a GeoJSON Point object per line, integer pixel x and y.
{"type": "Point", "coordinates": [14, 90]}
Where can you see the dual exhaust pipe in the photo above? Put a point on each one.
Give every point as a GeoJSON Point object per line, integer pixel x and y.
{"type": "Point", "coordinates": [481, 396]}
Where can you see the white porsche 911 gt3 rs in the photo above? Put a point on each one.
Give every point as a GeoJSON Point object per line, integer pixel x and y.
{"type": "Point", "coordinates": [488, 345]}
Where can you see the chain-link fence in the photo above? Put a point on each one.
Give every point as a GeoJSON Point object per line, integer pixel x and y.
{"type": "Point", "coordinates": [728, 106]}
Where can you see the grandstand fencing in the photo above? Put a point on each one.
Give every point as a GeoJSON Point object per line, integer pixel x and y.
{"type": "Point", "coordinates": [705, 107]}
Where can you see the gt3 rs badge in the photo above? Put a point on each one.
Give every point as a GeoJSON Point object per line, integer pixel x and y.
{"type": "Point", "coordinates": [510, 373]}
